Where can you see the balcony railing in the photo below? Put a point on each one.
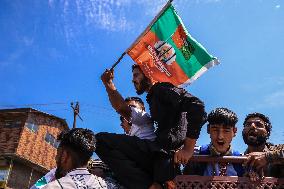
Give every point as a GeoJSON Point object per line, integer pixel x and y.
{"type": "Point", "coordinates": [224, 182]}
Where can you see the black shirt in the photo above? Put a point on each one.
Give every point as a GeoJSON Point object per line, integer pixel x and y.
{"type": "Point", "coordinates": [177, 113]}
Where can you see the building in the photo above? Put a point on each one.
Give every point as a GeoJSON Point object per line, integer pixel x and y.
{"type": "Point", "coordinates": [28, 145]}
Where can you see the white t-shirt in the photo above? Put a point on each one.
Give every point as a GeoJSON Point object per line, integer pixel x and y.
{"type": "Point", "coordinates": [80, 178]}
{"type": "Point", "coordinates": [142, 125]}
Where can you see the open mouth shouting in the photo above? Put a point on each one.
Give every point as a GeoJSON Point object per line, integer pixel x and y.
{"type": "Point", "coordinates": [252, 135]}
{"type": "Point", "coordinates": [220, 143]}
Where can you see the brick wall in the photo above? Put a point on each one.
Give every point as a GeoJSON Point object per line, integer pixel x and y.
{"type": "Point", "coordinates": [10, 134]}
{"type": "Point", "coordinates": [33, 146]}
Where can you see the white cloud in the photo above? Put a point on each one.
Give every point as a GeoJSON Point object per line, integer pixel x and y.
{"type": "Point", "coordinates": [109, 15]}
{"type": "Point", "coordinates": [277, 6]}
{"type": "Point", "coordinates": [151, 7]}
{"type": "Point", "coordinates": [104, 14]}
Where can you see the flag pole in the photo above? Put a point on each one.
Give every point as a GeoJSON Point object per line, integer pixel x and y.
{"type": "Point", "coordinates": [143, 33]}
{"type": "Point", "coordinates": [149, 26]}
{"type": "Point", "coordinates": [119, 59]}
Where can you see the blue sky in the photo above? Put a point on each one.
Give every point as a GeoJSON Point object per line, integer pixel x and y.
{"type": "Point", "coordinates": [53, 52]}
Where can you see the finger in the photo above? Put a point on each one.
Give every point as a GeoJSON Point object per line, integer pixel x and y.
{"type": "Point", "coordinates": [246, 162]}
{"type": "Point", "coordinates": [261, 173]}
{"type": "Point", "coordinates": [185, 161]}
{"type": "Point", "coordinates": [251, 163]}
{"type": "Point", "coordinates": [259, 168]}
{"type": "Point", "coordinates": [175, 157]}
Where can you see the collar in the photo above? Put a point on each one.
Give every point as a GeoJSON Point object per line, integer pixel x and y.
{"type": "Point", "coordinates": [79, 171]}
{"type": "Point", "coordinates": [265, 149]}
{"type": "Point", "coordinates": [214, 152]}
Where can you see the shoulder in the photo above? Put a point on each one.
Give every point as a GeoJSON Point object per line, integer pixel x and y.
{"type": "Point", "coordinates": [204, 150]}
{"type": "Point", "coordinates": [140, 116]}
{"type": "Point", "coordinates": [65, 182]}
{"type": "Point", "coordinates": [236, 153]}
{"type": "Point", "coordinates": [166, 89]}
{"type": "Point", "coordinates": [277, 147]}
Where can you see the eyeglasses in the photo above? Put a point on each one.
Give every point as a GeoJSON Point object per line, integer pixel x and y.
{"type": "Point", "coordinates": [257, 124]}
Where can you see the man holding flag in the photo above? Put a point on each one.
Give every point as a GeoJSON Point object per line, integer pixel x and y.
{"type": "Point", "coordinates": [167, 58]}
{"type": "Point", "coordinates": [146, 164]}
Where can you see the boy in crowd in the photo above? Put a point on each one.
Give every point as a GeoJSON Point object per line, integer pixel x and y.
{"type": "Point", "coordinates": [140, 123]}
{"type": "Point", "coordinates": [75, 150]}
{"type": "Point", "coordinates": [222, 129]}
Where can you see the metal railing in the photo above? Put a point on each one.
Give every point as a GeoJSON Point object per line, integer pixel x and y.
{"type": "Point", "coordinates": [224, 182]}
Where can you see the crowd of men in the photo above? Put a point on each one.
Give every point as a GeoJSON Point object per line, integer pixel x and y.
{"type": "Point", "coordinates": [149, 153]}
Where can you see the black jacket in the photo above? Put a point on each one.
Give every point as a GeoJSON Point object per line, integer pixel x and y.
{"type": "Point", "coordinates": [177, 113]}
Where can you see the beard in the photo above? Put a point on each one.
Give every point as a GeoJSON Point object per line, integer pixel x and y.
{"type": "Point", "coordinates": [258, 141]}
{"type": "Point", "coordinates": [143, 85]}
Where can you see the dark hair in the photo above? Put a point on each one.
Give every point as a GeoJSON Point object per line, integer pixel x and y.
{"type": "Point", "coordinates": [134, 98]}
{"type": "Point", "coordinates": [222, 116]}
{"type": "Point", "coordinates": [80, 143]}
{"type": "Point", "coordinates": [266, 120]}
{"type": "Point", "coordinates": [135, 66]}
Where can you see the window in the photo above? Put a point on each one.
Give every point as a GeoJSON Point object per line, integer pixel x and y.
{"type": "Point", "coordinates": [56, 144]}
{"type": "Point", "coordinates": [50, 139]}
{"type": "Point", "coordinates": [11, 123]}
{"type": "Point", "coordinates": [33, 127]}
{"type": "Point", "coordinates": [3, 174]}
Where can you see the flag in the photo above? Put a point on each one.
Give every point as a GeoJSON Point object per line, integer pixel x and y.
{"type": "Point", "coordinates": [166, 52]}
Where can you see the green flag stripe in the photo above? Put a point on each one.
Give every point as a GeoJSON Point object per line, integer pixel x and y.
{"type": "Point", "coordinates": [191, 66]}
{"type": "Point", "coordinates": [167, 19]}
{"type": "Point", "coordinates": [165, 27]}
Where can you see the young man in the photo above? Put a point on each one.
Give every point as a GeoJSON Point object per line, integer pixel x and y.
{"type": "Point", "coordinates": [262, 155]}
{"type": "Point", "coordinates": [75, 149]}
{"type": "Point", "coordinates": [143, 164]}
{"type": "Point", "coordinates": [222, 129]}
{"type": "Point", "coordinates": [143, 126]}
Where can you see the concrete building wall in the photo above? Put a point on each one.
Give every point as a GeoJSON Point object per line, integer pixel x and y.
{"type": "Point", "coordinates": [22, 176]}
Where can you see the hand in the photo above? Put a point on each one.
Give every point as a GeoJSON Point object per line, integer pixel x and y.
{"type": "Point", "coordinates": [126, 127]}
{"type": "Point", "coordinates": [182, 156]}
{"type": "Point", "coordinates": [256, 160]}
{"type": "Point", "coordinates": [253, 176]}
{"type": "Point", "coordinates": [107, 76]}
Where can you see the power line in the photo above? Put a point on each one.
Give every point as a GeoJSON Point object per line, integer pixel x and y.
{"type": "Point", "coordinates": [38, 104]}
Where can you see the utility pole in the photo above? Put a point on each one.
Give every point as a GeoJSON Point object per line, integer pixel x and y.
{"type": "Point", "coordinates": [76, 110]}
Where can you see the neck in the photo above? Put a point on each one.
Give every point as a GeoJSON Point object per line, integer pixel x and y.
{"type": "Point", "coordinates": [256, 148]}
{"type": "Point", "coordinates": [149, 87]}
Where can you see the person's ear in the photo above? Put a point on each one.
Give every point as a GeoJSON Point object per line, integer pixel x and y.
{"type": "Point", "coordinates": [235, 129]}
{"type": "Point", "coordinates": [208, 129]}
{"type": "Point", "coordinates": [64, 157]}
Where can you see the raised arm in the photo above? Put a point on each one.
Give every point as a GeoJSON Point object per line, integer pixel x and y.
{"type": "Point", "coordinates": [115, 98]}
